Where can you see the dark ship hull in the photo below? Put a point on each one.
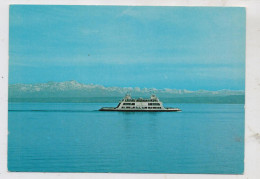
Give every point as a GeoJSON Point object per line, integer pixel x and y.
{"type": "Point", "coordinates": [141, 110]}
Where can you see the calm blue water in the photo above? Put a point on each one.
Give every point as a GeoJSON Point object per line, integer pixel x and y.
{"type": "Point", "coordinates": [68, 137]}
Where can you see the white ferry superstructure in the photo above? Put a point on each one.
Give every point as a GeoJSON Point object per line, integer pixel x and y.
{"type": "Point", "coordinates": [129, 104]}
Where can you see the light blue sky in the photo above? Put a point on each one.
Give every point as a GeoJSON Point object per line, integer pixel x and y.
{"type": "Point", "coordinates": [162, 47]}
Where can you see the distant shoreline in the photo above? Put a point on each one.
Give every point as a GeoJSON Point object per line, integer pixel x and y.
{"type": "Point", "coordinates": [231, 99]}
{"type": "Point", "coordinates": [75, 92]}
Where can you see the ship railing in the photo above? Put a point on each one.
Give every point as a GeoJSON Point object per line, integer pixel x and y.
{"type": "Point", "coordinates": [141, 100]}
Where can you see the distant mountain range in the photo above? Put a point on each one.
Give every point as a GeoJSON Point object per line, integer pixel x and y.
{"type": "Point", "coordinates": [69, 91]}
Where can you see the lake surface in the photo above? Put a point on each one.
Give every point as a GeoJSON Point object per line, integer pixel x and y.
{"type": "Point", "coordinates": [76, 137]}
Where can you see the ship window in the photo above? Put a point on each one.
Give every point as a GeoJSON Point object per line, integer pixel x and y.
{"type": "Point", "coordinates": [128, 107]}
{"type": "Point", "coordinates": [154, 104]}
{"type": "Point", "coordinates": [149, 107]}
{"type": "Point", "coordinates": [128, 103]}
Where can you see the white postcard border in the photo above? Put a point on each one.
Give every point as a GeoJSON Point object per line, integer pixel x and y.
{"type": "Point", "coordinates": [252, 106]}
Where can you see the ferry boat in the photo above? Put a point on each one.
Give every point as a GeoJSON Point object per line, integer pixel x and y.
{"type": "Point", "coordinates": [129, 104]}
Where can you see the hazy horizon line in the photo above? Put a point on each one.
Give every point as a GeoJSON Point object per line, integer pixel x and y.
{"type": "Point", "coordinates": [37, 83]}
